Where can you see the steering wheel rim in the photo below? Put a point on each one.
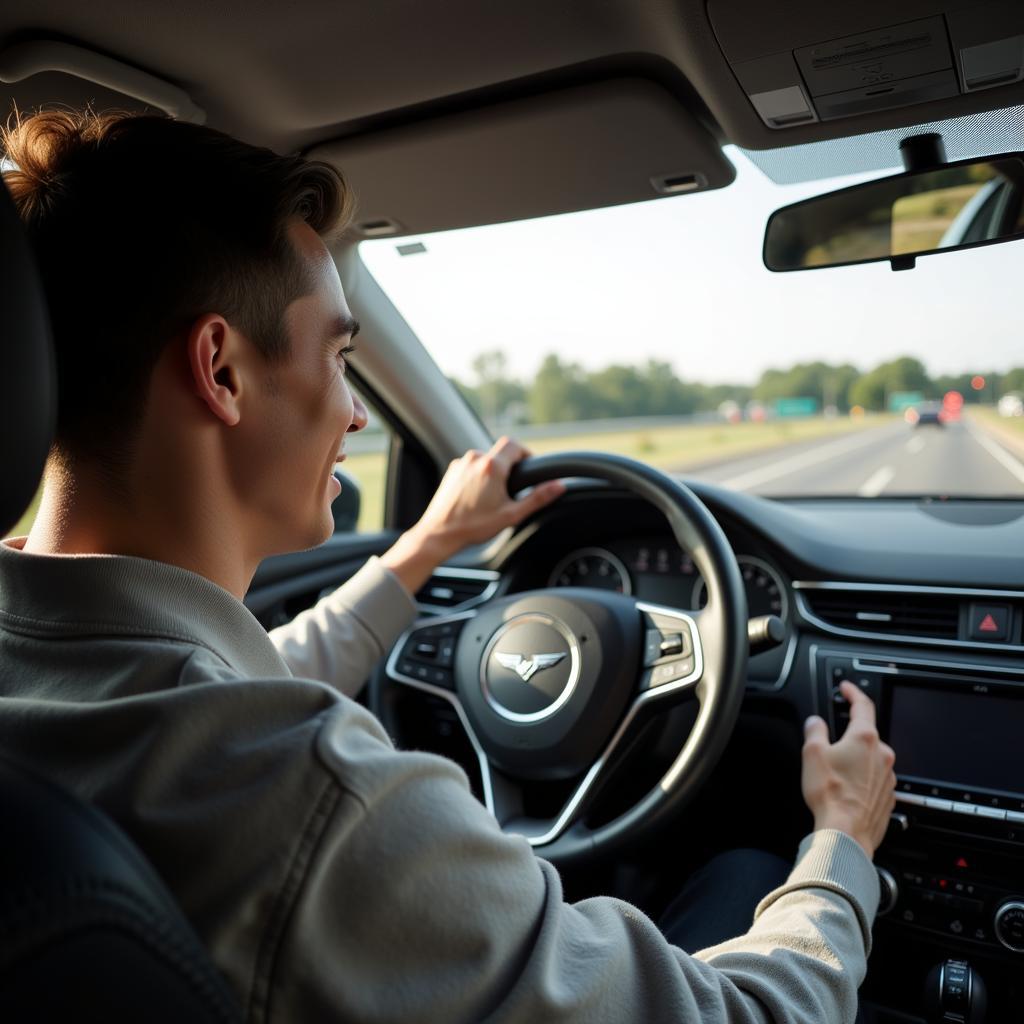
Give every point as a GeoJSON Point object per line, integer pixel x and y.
{"type": "Point", "coordinates": [719, 634]}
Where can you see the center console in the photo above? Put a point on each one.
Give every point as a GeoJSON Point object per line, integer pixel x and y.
{"type": "Point", "coordinates": [952, 866]}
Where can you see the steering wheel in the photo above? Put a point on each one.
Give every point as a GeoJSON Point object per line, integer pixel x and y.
{"type": "Point", "coordinates": [547, 683]}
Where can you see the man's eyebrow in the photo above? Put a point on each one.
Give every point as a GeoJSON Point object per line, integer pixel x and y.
{"type": "Point", "coordinates": [344, 325]}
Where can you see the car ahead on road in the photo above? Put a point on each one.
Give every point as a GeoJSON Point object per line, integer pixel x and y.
{"type": "Point", "coordinates": [927, 414]}
{"type": "Point", "coordinates": [562, 213]}
{"type": "Point", "coordinates": [1011, 404]}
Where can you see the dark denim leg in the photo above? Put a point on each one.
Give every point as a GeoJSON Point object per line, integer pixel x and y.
{"type": "Point", "coordinates": [718, 901]}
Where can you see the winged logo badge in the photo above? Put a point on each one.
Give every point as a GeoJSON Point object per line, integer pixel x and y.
{"type": "Point", "coordinates": [526, 668]}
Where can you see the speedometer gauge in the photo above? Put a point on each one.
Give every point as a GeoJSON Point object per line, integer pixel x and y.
{"type": "Point", "coordinates": [591, 567]}
{"type": "Point", "coordinates": [766, 593]}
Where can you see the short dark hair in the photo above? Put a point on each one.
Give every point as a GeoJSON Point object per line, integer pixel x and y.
{"type": "Point", "coordinates": [141, 224]}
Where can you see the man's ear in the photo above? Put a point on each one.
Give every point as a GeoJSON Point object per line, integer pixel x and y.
{"type": "Point", "coordinates": [213, 353]}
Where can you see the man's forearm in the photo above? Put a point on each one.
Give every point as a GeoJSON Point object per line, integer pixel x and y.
{"type": "Point", "coordinates": [414, 557]}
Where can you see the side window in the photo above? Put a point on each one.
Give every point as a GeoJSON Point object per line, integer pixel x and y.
{"type": "Point", "coordinates": [25, 523]}
{"type": "Point", "coordinates": [360, 506]}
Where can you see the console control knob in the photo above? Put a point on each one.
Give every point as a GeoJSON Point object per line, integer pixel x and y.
{"type": "Point", "coordinates": [1009, 925]}
{"type": "Point", "coordinates": [889, 893]}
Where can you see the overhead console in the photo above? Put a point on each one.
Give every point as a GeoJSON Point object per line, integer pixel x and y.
{"type": "Point", "coordinates": [795, 72]}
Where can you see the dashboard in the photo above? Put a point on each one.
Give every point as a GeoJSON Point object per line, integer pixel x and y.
{"type": "Point", "coordinates": [919, 603]}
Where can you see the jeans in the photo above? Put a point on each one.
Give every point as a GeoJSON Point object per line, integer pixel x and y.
{"type": "Point", "coordinates": [719, 900]}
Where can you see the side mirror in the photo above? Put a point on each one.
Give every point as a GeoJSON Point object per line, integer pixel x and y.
{"type": "Point", "coordinates": [940, 209]}
{"type": "Point", "coordinates": [345, 508]}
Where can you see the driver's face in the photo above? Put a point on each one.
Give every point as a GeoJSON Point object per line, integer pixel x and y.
{"type": "Point", "coordinates": [303, 412]}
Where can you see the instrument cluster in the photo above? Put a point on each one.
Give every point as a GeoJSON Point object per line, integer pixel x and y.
{"type": "Point", "coordinates": [659, 571]}
{"type": "Point", "coordinates": [663, 573]}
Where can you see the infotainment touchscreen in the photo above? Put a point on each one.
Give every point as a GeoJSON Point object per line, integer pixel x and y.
{"type": "Point", "coordinates": [968, 739]}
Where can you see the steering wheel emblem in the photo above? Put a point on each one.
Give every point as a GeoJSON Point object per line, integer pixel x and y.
{"type": "Point", "coordinates": [531, 678]}
{"type": "Point", "coordinates": [525, 667]}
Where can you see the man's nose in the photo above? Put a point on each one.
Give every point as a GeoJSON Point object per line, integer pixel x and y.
{"type": "Point", "coordinates": [359, 414]}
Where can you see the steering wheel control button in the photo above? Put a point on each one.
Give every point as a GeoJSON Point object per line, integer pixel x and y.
{"type": "Point", "coordinates": [428, 653]}
{"type": "Point", "coordinates": [671, 644]}
{"type": "Point", "coordinates": [991, 622]}
{"type": "Point", "coordinates": [670, 671]}
{"type": "Point", "coordinates": [530, 668]}
{"type": "Point", "coordinates": [666, 643]}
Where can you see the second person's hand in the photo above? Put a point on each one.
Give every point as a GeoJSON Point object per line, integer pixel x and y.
{"type": "Point", "coordinates": [850, 785]}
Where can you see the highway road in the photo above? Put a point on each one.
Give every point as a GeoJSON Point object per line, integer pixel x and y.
{"type": "Point", "coordinates": [892, 460]}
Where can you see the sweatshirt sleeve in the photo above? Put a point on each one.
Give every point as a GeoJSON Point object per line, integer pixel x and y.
{"type": "Point", "coordinates": [344, 634]}
{"type": "Point", "coordinates": [416, 907]}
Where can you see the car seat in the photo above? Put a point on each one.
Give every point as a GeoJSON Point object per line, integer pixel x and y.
{"type": "Point", "coordinates": [88, 932]}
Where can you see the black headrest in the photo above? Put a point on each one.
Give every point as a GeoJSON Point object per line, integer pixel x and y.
{"type": "Point", "coordinates": [28, 385]}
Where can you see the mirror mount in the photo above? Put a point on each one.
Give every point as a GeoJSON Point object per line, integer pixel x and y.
{"type": "Point", "coordinates": [923, 152]}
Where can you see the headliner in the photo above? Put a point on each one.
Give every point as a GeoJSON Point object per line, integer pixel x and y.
{"type": "Point", "coordinates": [291, 75]}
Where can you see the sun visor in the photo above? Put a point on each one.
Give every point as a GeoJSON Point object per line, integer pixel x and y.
{"type": "Point", "coordinates": [584, 147]}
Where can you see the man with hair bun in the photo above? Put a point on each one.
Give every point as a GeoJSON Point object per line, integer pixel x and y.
{"type": "Point", "coordinates": [202, 336]}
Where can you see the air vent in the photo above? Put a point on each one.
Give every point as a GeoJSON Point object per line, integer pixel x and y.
{"type": "Point", "coordinates": [454, 589]}
{"type": "Point", "coordinates": [896, 614]}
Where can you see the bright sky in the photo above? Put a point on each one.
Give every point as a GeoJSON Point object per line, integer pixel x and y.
{"type": "Point", "coordinates": [681, 280]}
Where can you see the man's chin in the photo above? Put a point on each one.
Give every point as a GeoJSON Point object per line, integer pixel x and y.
{"type": "Point", "coordinates": [304, 540]}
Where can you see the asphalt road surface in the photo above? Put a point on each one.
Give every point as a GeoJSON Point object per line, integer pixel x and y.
{"type": "Point", "coordinates": [895, 459]}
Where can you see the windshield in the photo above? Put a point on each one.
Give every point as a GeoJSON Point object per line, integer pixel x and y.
{"type": "Point", "coordinates": [655, 330]}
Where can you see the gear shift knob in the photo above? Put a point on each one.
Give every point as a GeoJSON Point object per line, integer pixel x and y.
{"type": "Point", "coordinates": [955, 994]}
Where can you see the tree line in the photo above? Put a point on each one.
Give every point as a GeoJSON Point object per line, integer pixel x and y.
{"type": "Point", "coordinates": [563, 391]}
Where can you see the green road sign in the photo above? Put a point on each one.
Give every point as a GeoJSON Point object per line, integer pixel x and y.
{"type": "Point", "coordinates": [796, 406]}
{"type": "Point", "coordinates": [900, 400]}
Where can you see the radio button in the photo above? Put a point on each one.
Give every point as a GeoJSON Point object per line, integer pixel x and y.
{"type": "Point", "coordinates": [917, 800]}
{"type": "Point", "coordinates": [1017, 817]}
{"type": "Point", "coordinates": [938, 804]}
{"type": "Point", "coordinates": [959, 808]}
{"type": "Point", "coordinates": [990, 812]}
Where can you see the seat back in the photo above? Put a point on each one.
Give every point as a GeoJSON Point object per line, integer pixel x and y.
{"type": "Point", "coordinates": [88, 932]}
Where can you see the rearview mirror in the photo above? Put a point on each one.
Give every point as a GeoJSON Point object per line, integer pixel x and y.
{"type": "Point", "coordinates": [951, 206]}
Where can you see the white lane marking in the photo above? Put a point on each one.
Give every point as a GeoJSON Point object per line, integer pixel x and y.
{"type": "Point", "coordinates": [915, 444]}
{"type": "Point", "coordinates": [1000, 454]}
{"type": "Point", "coordinates": [877, 482]}
{"type": "Point", "coordinates": [763, 474]}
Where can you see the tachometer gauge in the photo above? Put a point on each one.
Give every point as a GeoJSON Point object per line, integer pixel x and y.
{"type": "Point", "coordinates": [766, 593]}
{"type": "Point", "coordinates": [591, 567]}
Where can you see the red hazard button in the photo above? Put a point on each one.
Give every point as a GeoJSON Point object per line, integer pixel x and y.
{"type": "Point", "coordinates": [990, 622]}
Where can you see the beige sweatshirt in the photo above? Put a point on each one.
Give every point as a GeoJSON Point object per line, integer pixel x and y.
{"type": "Point", "coordinates": [332, 877]}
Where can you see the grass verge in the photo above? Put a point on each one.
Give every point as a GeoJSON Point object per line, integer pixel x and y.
{"type": "Point", "coordinates": [690, 446]}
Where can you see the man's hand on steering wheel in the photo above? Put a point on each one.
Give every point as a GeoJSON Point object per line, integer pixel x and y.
{"type": "Point", "coordinates": [471, 505]}
{"type": "Point", "coordinates": [551, 684]}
